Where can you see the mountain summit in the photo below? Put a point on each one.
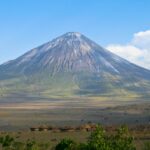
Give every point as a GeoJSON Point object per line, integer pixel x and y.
{"type": "Point", "coordinates": [72, 63]}
{"type": "Point", "coordinates": [70, 52]}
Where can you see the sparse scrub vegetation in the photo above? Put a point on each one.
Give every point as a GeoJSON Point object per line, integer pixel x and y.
{"type": "Point", "coordinates": [99, 139]}
{"type": "Point", "coordinates": [8, 143]}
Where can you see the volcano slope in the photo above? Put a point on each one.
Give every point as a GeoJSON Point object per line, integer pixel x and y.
{"type": "Point", "coordinates": [71, 66]}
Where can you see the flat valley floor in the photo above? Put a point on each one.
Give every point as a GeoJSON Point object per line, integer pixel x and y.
{"type": "Point", "coordinates": [19, 114]}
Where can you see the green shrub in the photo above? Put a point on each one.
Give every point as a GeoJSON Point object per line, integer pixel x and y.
{"type": "Point", "coordinates": [66, 144]}
{"type": "Point", "coordinates": [6, 141]}
{"type": "Point", "coordinates": [146, 146]}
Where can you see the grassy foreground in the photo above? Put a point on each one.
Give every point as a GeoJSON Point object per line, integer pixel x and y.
{"type": "Point", "coordinates": [99, 139]}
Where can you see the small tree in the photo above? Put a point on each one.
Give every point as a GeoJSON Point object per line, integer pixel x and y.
{"type": "Point", "coordinates": [97, 140]}
{"type": "Point", "coordinates": [122, 140]}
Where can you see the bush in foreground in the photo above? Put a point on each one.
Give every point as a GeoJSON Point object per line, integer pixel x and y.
{"type": "Point", "coordinates": [6, 141]}
{"type": "Point", "coordinates": [99, 140]}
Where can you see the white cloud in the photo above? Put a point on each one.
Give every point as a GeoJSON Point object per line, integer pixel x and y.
{"type": "Point", "coordinates": [137, 50]}
{"type": "Point", "coordinates": [142, 39]}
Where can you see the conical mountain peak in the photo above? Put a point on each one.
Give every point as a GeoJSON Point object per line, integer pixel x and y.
{"type": "Point", "coordinates": [71, 52]}
{"type": "Point", "coordinates": [75, 34]}
{"type": "Point", "coordinates": [71, 37]}
{"type": "Point", "coordinates": [74, 61]}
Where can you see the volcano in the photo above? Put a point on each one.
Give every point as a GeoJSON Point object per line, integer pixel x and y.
{"type": "Point", "coordinates": [72, 65]}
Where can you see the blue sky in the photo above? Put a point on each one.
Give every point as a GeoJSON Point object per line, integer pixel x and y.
{"type": "Point", "coordinates": [25, 24]}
